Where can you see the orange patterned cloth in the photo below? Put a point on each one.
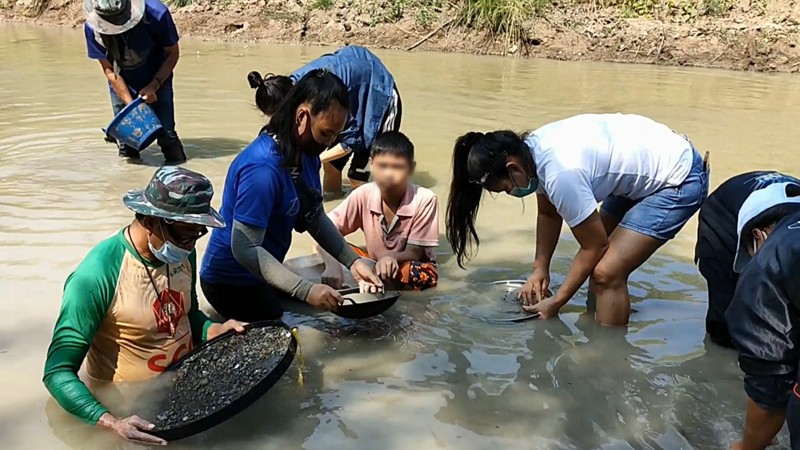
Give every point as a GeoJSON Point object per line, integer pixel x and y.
{"type": "Point", "coordinates": [415, 275]}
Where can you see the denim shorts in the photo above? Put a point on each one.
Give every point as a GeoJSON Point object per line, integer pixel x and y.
{"type": "Point", "coordinates": [663, 213]}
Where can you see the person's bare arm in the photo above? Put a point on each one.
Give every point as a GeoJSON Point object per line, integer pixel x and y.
{"type": "Point", "coordinates": [172, 55]}
{"type": "Point", "coordinates": [149, 92]}
{"type": "Point", "coordinates": [548, 229]}
{"type": "Point", "coordinates": [591, 236]}
{"type": "Point", "coordinates": [760, 428]}
{"type": "Point", "coordinates": [334, 153]}
{"type": "Point", "coordinates": [118, 84]}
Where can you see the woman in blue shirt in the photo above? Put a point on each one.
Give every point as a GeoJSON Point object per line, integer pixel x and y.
{"type": "Point", "coordinates": [272, 188]}
{"type": "Point", "coordinates": [375, 108]}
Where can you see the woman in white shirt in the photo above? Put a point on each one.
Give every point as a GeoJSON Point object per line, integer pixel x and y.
{"type": "Point", "coordinates": [649, 179]}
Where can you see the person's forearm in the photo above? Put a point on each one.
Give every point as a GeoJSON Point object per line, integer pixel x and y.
{"type": "Point", "coordinates": [70, 392]}
{"type": "Point", "coordinates": [328, 238]}
{"type": "Point", "coordinates": [119, 86]}
{"type": "Point", "coordinates": [167, 67]}
{"type": "Point", "coordinates": [548, 229]}
{"type": "Point", "coordinates": [582, 266]}
{"type": "Point", "coordinates": [256, 259]}
{"type": "Point", "coordinates": [761, 426]}
{"type": "Point", "coordinates": [333, 153]}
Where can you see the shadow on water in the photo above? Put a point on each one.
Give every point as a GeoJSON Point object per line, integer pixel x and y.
{"type": "Point", "coordinates": [213, 147]}
{"type": "Point", "coordinates": [195, 148]}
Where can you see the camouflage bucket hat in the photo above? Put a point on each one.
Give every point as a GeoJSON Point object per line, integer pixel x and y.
{"type": "Point", "coordinates": [113, 16]}
{"type": "Point", "coordinates": [177, 194]}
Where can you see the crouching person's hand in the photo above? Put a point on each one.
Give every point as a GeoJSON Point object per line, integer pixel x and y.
{"type": "Point", "coordinates": [218, 329]}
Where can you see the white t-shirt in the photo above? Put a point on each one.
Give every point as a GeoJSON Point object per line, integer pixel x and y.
{"type": "Point", "coordinates": [582, 160]}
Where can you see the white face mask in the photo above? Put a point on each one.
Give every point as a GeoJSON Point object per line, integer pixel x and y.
{"type": "Point", "coordinates": [169, 253]}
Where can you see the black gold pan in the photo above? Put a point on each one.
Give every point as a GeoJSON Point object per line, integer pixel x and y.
{"type": "Point", "coordinates": [359, 305]}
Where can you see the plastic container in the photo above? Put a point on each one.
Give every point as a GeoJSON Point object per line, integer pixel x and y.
{"type": "Point", "coordinates": [136, 126]}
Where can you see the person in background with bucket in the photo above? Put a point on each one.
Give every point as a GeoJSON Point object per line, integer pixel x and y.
{"type": "Point", "coordinates": [650, 180]}
{"type": "Point", "coordinates": [400, 220]}
{"type": "Point", "coordinates": [136, 43]}
{"type": "Point", "coordinates": [716, 244]}
{"type": "Point", "coordinates": [763, 315]}
{"type": "Point", "coordinates": [375, 108]}
{"type": "Point", "coordinates": [129, 310]}
{"type": "Point", "coordinates": [272, 188]}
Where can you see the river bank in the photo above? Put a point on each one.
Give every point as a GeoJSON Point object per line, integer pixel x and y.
{"type": "Point", "coordinates": [755, 35]}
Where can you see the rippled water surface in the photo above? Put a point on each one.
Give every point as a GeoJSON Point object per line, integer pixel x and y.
{"type": "Point", "coordinates": [433, 372]}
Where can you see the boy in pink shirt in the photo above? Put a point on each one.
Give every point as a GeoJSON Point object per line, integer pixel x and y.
{"type": "Point", "coordinates": [400, 220]}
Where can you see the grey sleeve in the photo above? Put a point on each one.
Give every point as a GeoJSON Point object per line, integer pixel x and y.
{"type": "Point", "coordinates": [328, 237]}
{"type": "Point", "coordinates": [246, 248]}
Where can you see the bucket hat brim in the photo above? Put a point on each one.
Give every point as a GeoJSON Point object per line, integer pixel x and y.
{"type": "Point", "coordinates": [103, 26]}
{"type": "Point", "coordinates": [136, 201]}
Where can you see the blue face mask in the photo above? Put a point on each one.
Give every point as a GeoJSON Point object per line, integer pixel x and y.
{"type": "Point", "coordinates": [169, 253]}
{"type": "Point", "coordinates": [519, 192]}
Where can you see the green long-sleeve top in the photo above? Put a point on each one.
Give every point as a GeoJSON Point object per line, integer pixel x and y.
{"type": "Point", "coordinates": [125, 328]}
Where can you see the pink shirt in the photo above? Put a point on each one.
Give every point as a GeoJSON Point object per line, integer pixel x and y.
{"type": "Point", "coordinates": [416, 221]}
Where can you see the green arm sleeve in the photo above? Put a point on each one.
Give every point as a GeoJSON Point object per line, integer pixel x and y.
{"type": "Point", "coordinates": [198, 321]}
{"type": "Point", "coordinates": [84, 306]}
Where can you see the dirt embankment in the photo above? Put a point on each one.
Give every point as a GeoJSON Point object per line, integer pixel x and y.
{"type": "Point", "coordinates": [760, 35]}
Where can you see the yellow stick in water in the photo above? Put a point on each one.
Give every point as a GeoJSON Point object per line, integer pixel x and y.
{"type": "Point", "coordinates": [300, 362]}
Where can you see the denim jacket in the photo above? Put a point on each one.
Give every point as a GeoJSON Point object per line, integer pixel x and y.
{"type": "Point", "coordinates": [371, 89]}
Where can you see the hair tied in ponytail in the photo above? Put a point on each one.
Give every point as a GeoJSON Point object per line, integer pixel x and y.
{"type": "Point", "coordinates": [470, 139]}
{"type": "Point", "coordinates": [255, 79]}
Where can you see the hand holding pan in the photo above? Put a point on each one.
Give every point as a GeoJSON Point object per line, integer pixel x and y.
{"type": "Point", "coordinates": [360, 305]}
{"type": "Point", "coordinates": [512, 295]}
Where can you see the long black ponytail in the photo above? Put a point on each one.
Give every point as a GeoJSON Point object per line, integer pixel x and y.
{"type": "Point", "coordinates": [478, 159]}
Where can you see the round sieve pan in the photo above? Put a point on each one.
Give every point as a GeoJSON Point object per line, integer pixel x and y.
{"type": "Point", "coordinates": [236, 405]}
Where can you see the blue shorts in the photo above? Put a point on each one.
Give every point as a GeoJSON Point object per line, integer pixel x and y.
{"type": "Point", "coordinates": [663, 213]}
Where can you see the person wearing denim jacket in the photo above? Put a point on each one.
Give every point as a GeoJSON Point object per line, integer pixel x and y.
{"type": "Point", "coordinates": [375, 107]}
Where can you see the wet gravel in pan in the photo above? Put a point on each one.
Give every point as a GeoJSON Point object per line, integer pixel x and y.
{"type": "Point", "coordinates": [219, 374]}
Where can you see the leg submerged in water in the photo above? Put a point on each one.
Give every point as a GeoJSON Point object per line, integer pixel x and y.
{"type": "Point", "coordinates": [169, 142]}
{"type": "Point", "coordinates": [627, 251]}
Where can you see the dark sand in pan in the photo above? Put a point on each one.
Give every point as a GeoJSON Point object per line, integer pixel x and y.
{"type": "Point", "coordinates": [212, 378]}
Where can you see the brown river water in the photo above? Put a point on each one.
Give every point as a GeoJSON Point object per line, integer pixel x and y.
{"type": "Point", "coordinates": [432, 373]}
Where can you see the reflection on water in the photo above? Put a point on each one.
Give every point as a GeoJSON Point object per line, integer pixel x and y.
{"type": "Point", "coordinates": [430, 373]}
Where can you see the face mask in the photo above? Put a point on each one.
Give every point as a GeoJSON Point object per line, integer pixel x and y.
{"type": "Point", "coordinates": [519, 192]}
{"type": "Point", "coordinates": [169, 253]}
{"type": "Point", "coordinates": [307, 141]}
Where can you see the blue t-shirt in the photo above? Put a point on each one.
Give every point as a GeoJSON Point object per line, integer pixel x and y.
{"type": "Point", "coordinates": [371, 88]}
{"type": "Point", "coordinates": [259, 192]}
{"type": "Point", "coordinates": [141, 48]}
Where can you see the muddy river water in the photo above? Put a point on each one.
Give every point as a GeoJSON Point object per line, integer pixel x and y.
{"type": "Point", "coordinates": [431, 373]}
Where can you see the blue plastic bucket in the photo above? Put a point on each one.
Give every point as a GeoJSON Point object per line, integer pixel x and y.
{"type": "Point", "coordinates": [136, 125]}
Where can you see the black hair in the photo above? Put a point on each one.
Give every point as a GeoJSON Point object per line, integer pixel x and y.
{"type": "Point", "coordinates": [478, 158]}
{"type": "Point", "coordinates": [393, 143]}
{"type": "Point", "coordinates": [320, 89]}
{"type": "Point", "coordinates": [772, 215]}
{"type": "Point", "coordinates": [271, 90]}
